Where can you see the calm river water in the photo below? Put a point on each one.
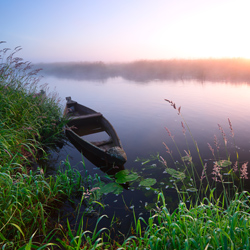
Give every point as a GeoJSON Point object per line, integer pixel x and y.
{"type": "Point", "coordinates": [140, 114]}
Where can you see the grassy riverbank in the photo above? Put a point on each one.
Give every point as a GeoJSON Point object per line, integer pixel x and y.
{"type": "Point", "coordinates": [31, 122]}
{"type": "Point", "coordinates": [211, 214]}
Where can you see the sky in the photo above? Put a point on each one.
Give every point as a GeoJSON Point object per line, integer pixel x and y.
{"type": "Point", "coordinates": [125, 30]}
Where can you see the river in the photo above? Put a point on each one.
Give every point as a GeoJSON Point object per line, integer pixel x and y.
{"type": "Point", "coordinates": [140, 115]}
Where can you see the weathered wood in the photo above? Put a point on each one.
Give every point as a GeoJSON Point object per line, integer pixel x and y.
{"type": "Point", "coordinates": [81, 120]}
{"type": "Point", "coordinates": [86, 117]}
{"type": "Point", "coordinates": [102, 143]}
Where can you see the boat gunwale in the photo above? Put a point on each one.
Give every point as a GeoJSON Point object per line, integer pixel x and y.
{"type": "Point", "coordinates": [108, 128]}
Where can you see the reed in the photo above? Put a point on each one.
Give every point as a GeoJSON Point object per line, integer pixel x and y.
{"type": "Point", "coordinates": [213, 213]}
{"type": "Point", "coordinates": [30, 123]}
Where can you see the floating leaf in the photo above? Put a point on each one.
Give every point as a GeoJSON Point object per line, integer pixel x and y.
{"type": "Point", "coordinates": [148, 182]}
{"type": "Point", "coordinates": [124, 176]}
{"type": "Point", "coordinates": [112, 188]}
{"type": "Point", "coordinates": [176, 174]}
{"type": "Point", "coordinates": [179, 175]}
{"type": "Point", "coordinates": [170, 171]}
{"type": "Point", "coordinates": [223, 163]}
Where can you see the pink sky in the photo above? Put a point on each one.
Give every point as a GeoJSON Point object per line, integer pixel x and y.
{"type": "Point", "coordinates": [126, 30]}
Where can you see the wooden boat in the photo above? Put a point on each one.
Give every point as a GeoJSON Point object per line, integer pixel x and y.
{"type": "Point", "coordinates": [91, 131]}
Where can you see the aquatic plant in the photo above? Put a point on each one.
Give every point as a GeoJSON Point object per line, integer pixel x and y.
{"type": "Point", "coordinates": [212, 213]}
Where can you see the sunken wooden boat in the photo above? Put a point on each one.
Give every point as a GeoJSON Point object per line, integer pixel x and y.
{"type": "Point", "coordinates": [93, 133]}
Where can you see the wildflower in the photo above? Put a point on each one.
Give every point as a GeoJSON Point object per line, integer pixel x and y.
{"type": "Point", "coordinates": [243, 170]}
{"type": "Point", "coordinates": [86, 194]}
{"type": "Point", "coordinates": [163, 161]}
{"type": "Point", "coordinates": [168, 150]}
{"type": "Point", "coordinates": [223, 134]}
{"type": "Point", "coordinates": [235, 167]}
{"type": "Point", "coordinates": [179, 110]}
{"type": "Point", "coordinates": [172, 103]}
{"type": "Point", "coordinates": [204, 172]}
{"type": "Point", "coordinates": [216, 173]}
{"type": "Point", "coordinates": [211, 149]}
{"type": "Point", "coordinates": [93, 189]}
{"type": "Point", "coordinates": [216, 142]}
{"type": "Point", "coordinates": [231, 128]}
{"type": "Point", "coordinates": [169, 133]}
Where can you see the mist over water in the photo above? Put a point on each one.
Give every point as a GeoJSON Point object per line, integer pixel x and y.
{"type": "Point", "coordinates": [226, 70]}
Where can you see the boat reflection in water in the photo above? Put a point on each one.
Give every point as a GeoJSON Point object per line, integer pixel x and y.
{"type": "Point", "coordinates": [94, 137]}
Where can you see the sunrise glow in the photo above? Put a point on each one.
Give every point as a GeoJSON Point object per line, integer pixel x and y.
{"type": "Point", "coordinates": [126, 30]}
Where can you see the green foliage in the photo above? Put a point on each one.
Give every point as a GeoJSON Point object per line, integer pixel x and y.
{"type": "Point", "coordinates": [148, 182]}
{"type": "Point", "coordinates": [176, 174]}
{"type": "Point", "coordinates": [112, 187]}
{"type": "Point", "coordinates": [30, 121]}
{"type": "Point", "coordinates": [27, 199]}
{"type": "Point", "coordinates": [124, 176]}
{"type": "Point", "coordinates": [204, 226]}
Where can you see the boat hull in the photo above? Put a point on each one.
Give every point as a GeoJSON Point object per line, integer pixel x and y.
{"type": "Point", "coordinates": [81, 118]}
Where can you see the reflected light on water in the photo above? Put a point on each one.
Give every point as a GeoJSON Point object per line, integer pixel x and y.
{"type": "Point", "coordinates": [140, 114]}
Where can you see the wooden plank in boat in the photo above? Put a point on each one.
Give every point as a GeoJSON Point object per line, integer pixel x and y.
{"type": "Point", "coordinates": [102, 143]}
{"type": "Point", "coordinates": [86, 117]}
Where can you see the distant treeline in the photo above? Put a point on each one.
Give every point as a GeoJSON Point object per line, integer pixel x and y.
{"type": "Point", "coordinates": [228, 70]}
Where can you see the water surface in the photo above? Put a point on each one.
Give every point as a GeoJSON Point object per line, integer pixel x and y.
{"type": "Point", "coordinates": [139, 114]}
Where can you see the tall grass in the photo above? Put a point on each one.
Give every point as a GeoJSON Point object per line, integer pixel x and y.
{"type": "Point", "coordinates": [213, 210]}
{"type": "Point", "coordinates": [30, 122]}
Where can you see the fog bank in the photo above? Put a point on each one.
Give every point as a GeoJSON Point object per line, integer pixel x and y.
{"type": "Point", "coordinates": [227, 70]}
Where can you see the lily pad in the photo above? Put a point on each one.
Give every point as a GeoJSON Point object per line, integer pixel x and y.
{"type": "Point", "coordinates": [124, 176]}
{"type": "Point", "coordinates": [148, 182]}
{"type": "Point", "coordinates": [179, 175]}
{"type": "Point", "coordinates": [171, 171]}
{"type": "Point", "coordinates": [176, 174]}
{"type": "Point", "coordinates": [112, 188]}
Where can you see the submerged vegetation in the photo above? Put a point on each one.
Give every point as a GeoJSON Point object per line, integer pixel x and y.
{"type": "Point", "coordinates": [226, 70]}
{"type": "Point", "coordinates": [213, 211]}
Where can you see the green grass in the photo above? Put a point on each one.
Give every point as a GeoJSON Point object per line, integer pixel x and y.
{"type": "Point", "coordinates": [213, 210]}
{"type": "Point", "coordinates": [211, 214]}
{"type": "Point", "coordinates": [30, 123]}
